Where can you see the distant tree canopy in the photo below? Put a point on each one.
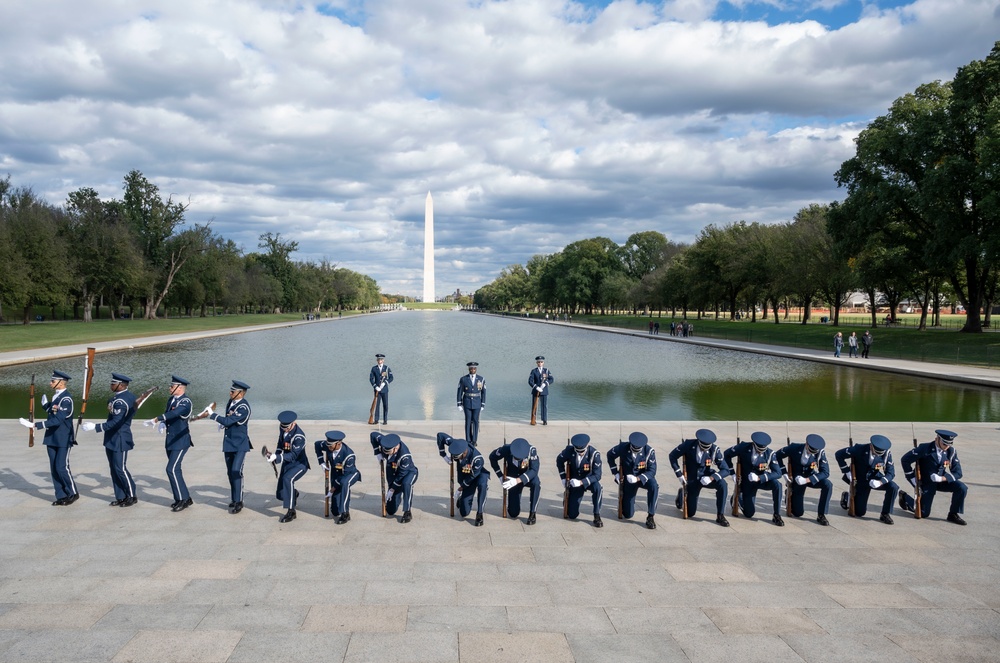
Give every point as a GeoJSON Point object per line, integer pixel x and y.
{"type": "Point", "coordinates": [137, 253]}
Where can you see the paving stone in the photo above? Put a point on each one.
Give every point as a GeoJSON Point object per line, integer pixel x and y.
{"type": "Point", "coordinates": [941, 648]}
{"type": "Point", "coordinates": [651, 621]}
{"type": "Point", "coordinates": [189, 569]}
{"type": "Point", "coordinates": [855, 649]}
{"type": "Point", "coordinates": [457, 619]}
{"type": "Point", "coordinates": [710, 572]}
{"type": "Point", "coordinates": [580, 620]}
{"type": "Point", "coordinates": [36, 616]}
{"type": "Point", "coordinates": [279, 616]}
{"type": "Point", "coordinates": [153, 616]}
{"type": "Point", "coordinates": [873, 595]}
{"type": "Point", "coordinates": [411, 647]}
{"type": "Point", "coordinates": [847, 622]}
{"type": "Point", "coordinates": [357, 618]}
{"type": "Point", "coordinates": [597, 648]}
{"type": "Point", "coordinates": [518, 647]}
{"type": "Point", "coordinates": [165, 646]}
{"type": "Point", "coordinates": [60, 646]}
{"type": "Point", "coordinates": [275, 646]}
{"type": "Point", "coordinates": [763, 648]}
{"type": "Point", "coordinates": [746, 621]}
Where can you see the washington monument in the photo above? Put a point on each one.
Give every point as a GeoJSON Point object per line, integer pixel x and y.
{"type": "Point", "coordinates": [429, 249]}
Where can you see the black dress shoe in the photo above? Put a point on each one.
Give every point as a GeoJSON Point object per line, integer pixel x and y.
{"type": "Point", "coordinates": [597, 520]}
{"type": "Point", "coordinates": [128, 501]}
{"type": "Point", "coordinates": [60, 502]}
{"type": "Point", "coordinates": [531, 518]}
{"type": "Point", "coordinates": [116, 503]}
{"type": "Point", "coordinates": [479, 520]}
{"type": "Point", "coordinates": [231, 505]}
{"type": "Point", "coordinates": [184, 504]}
{"type": "Point", "coordinates": [173, 507]}
{"type": "Point", "coordinates": [721, 519]}
{"type": "Point", "coordinates": [72, 498]}
{"type": "Point", "coordinates": [288, 517]}
{"type": "Point", "coordinates": [650, 522]}
{"type": "Point", "coordinates": [679, 501]}
{"type": "Point", "coordinates": [886, 518]}
{"type": "Point", "coordinates": [845, 500]}
{"type": "Point", "coordinates": [777, 520]}
{"type": "Point", "coordinates": [407, 517]}
{"type": "Point", "coordinates": [343, 518]}
{"type": "Point", "coordinates": [237, 507]}
{"type": "Point", "coordinates": [545, 423]}
{"type": "Point", "coordinates": [821, 519]}
{"type": "Point", "coordinates": [955, 518]}
{"type": "Point", "coordinates": [385, 423]}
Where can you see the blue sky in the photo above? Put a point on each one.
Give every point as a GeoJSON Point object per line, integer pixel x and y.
{"type": "Point", "coordinates": [532, 122]}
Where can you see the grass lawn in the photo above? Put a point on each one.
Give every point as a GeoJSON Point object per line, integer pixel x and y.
{"type": "Point", "coordinates": [72, 332]}
{"type": "Point", "coordinates": [904, 342]}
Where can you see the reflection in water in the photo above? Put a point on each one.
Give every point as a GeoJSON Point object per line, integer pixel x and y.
{"type": "Point", "coordinates": [321, 371]}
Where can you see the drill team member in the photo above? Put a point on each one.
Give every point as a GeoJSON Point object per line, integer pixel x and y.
{"type": "Point", "coordinates": [584, 473]}
{"type": "Point", "coordinates": [381, 377]}
{"type": "Point", "coordinates": [235, 440]}
{"type": "Point", "coordinates": [291, 454]}
{"type": "Point", "coordinates": [941, 470]}
{"type": "Point", "coordinates": [174, 421]}
{"type": "Point", "coordinates": [539, 380]}
{"type": "Point", "coordinates": [759, 469]}
{"type": "Point", "coordinates": [699, 456]}
{"type": "Point", "coordinates": [809, 469]}
{"type": "Point", "coordinates": [400, 473]}
{"type": "Point", "coordinates": [471, 398]}
{"type": "Point", "coordinates": [338, 458]}
{"type": "Point", "coordinates": [472, 478]}
{"type": "Point", "coordinates": [875, 471]}
{"type": "Point", "coordinates": [59, 437]}
{"type": "Point", "coordinates": [634, 463]}
{"type": "Point", "coordinates": [118, 438]}
{"type": "Point", "coordinates": [521, 469]}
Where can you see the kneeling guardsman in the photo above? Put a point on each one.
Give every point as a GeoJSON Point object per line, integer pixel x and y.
{"type": "Point", "coordinates": [400, 473]}
{"type": "Point", "coordinates": [579, 466]}
{"type": "Point", "coordinates": [637, 470]}
{"type": "Point", "coordinates": [699, 455]}
{"type": "Point", "coordinates": [338, 459]}
{"type": "Point", "coordinates": [939, 469]}
{"type": "Point", "coordinates": [174, 421]}
{"type": "Point", "coordinates": [807, 468]}
{"type": "Point", "coordinates": [118, 438]}
{"type": "Point", "coordinates": [291, 455]}
{"type": "Point", "coordinates": [875, 471]}
{"type": "Point", "coordinates": [758, 470]}
{"type": "Point", "coordinates": [59, 437]}
{"type": "Point", "coordinates": [473, 479]}
{"type": "Point", "coordinates": [520, 469]}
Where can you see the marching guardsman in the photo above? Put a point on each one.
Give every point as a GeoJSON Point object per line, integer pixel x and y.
{"type": "Point", "coordinates": [539, 380]}
{"type": "Point", "coordinates": [472, 398]}
{"type": "Point", "coordinates": [290, 453]}
{"type": "Point", "coordinates": [580, 470]}
{"type": "Point", "coordinates": [59, 437]}
{"type": "Point", "coordinates": [235, 439]}
{"type": "Point", "coordinates": [939, 469]}
{"type": "Point", "coordinates": [381, 378]}
{"type": "Point", "coordinates": [118, 438]}
{"type": "Point", "coordinates": [809, 468]}
{"type": "Point", "coordinates": [400, 473]}
{"type": "Point", "coordinates": [473, 479]}
{"type": "Point", "coordinates": [338, 458]}
{"type": "Point", "coordinates": [634, 463]}
{"type": "Point", "coordinates": [174, 421]}
{"type": "Point", "coordinates": [700, 455]}
{"type": "Point", "coordinates": [759, 470]}
{"type": "Point", "coordinates": [875, 471]}
{"type": "Point", "coordinates": [520, 469]}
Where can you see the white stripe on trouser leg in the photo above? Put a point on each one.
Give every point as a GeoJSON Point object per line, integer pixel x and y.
{"type": "Point", "coordinates": [408, 495]}
{"type": "Point", "coordinates": [241, 477]}
{"type": "Point", "coordinates": [175, 484]}
{"type": "Point", "coordinates": [69, 473]}
{"type": "Point", "coordinates": [291, 493]}
{"type": "Point", "coordinates": [128, 477]}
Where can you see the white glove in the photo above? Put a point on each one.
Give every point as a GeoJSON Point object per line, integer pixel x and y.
{"type": "Point", "coordinates": [379, 457]}
{"type": "Point", "coordinates": [24, 422]}
{"type": "Point", "coordinates": [150, 423]}
{"type": "Point", "coordinates": [706, 481]}
{"type": "Point", "coordinates": [161, 427]}
{"type": "Point", "coordinates": [937, 478]}
{"type": "Point", "coordinates": [45, 400]}
{"type": "Point", "coordinates": [378, 388]}
{"type": "Point", "coordinates": [848, 477]}
{"type": "Point", "coordinates": [539, 388]}
{"type": "Point", "coordinates": [458, 494]}
{"type": "Point", "coordinates": [682, 480]}
{"type": "Point", "coordinates": [615, 475]}
{"type": "Point", "coordinates": [459, 406]}
{"type": "Point", "coordinates": [563, 482]}
{"type": "Point", "coordinates": [510, 483]}
{"type": "Point", "coordinates": [753, 477]}
{"type": "Point", "coordinates": [483, 406]}
{"type": "Point", "coordinates": [446, 459]}
{"type": "Point", "coordinates": [208, 411]}
{"type": "Point", "coordinates": [329, 495]}
{"type": "Point", "coordinates": [272, 458]}
{"type": "Point", "coordinates": [631, 478]}
{"type": "Point", "coordinates": [874, 483]}
{"type": "Point", "coordinates": [801, 480]}
{"type": "Point", "coordinates": [913, 481]}
{"type": "Point", "coordinates": [388, 495]}
{"type": "Point", "coordinates": [324, 467]}
{"type": "Point", "coordinates": [575, 483]}
{"type": "Point", "coordinates": [87, 426]}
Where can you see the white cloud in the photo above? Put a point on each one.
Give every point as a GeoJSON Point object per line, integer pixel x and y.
{"type": "Point", "coordinates": [533, 122]}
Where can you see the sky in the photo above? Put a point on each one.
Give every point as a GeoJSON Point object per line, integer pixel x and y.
{"type": "Point", "coordinates": [533, 123]}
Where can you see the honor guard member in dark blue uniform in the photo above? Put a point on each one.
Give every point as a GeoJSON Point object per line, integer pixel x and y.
{"type": "Point", "coordinates": [235, 440]}
{"type": "Point", "coordinates": [809, 469]}
{"type": "Point", "coordinates": [174, 421]}
{"type": "Point", "coordinates": [634, 462]}
{"type": "Point", "coordinates": [941, 470]}
{"type": "Point", "coordinates": [118, 438]}
{"type": "Point", "coordinates": [584, 463]}
{"type": "Point", "coordinates": [521, 469]}
{"type": "Point", "coordinates": [876, 471]}
{"type": "Point", "coordinates": [400, 473]}
{"type": "Point", "coordinates": [59, 437]}
{"type": "Point", "coordinates": [539, 380]}
{"type": "Point", "coordinates": [338, 458]}
{"type": "Point", "coordinates": [760, 470]}
{"type": "Point", "coordinates": [700, 454]}
{"type": "Point", "coordinates": [290, 453]}
{"type": "Point", "coordinates": [472, 477]}
{"type": "Point", "coordinates": [381, 378]}
{"type": "Point", "coordinates": [472, 398]}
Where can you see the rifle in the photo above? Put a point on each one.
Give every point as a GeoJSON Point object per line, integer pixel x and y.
{"type": "Point", "coordinates": [566, 487]}
{"type": "Point", "coordinates": [143, 397]}
{"type": "Point", "coordinates": [503, 506]}
{"type": "Point", "coordinates": [371, 412]}
{"type": "Point", "coordinates": [854, 478]}
{"type": "Point", "coordinates": [31, 411]}
{"type": "Point", "coordinates": [326, 484]}
{"type": "Point", "coordinates": [88, 370]}
{"type": "Point", "coordinates": [917, 511]}
{"type": "Point", "coordinates": [621, 478]}
{"type": "Point", "coordinates": [265, 453]}
{"type": "Point", "coordinates": [739, 474]}
{"type": "Point", "coordinates": [203, 413]}
{"type": "Point", "coordinates": [381, 468]}
{"type": "Point", "coordinates": [451, 490]}
{"type": "Point", "coordinates": [534, 405]}
{"type": "Point", "coordinates": [788, 484]}
{"type": "Point", "coordinates": [684, 484]}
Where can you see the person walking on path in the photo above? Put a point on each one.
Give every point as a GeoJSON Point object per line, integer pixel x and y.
{"type": "Point", "coordinates": [838, 343]}
{"type": "Point", "coordinates": [852, 345]}
{"type": "Point", "coordinates": [866, 344]}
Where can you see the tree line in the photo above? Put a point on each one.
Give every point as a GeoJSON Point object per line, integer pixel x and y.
{"type": "Point", "coordinates": [921, 221]}
{"type": "Point", "coordinates": [137, 254]}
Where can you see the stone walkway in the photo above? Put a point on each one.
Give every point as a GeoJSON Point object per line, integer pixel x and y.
{"type": "Point", "coordinates": [90, 582]}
